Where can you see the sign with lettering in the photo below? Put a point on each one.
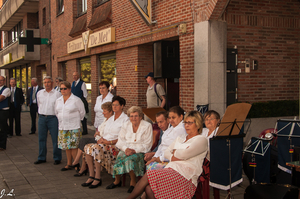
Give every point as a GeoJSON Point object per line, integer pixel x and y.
{"type": "Point", "coordinates": [102, 37]}
{"type": "Point", "coordinates": [7, 58]}
{"type": "Point", "coordinates": [144, 8]}
{"type": "Point", "coordinates": [75, 45]}
{"type": "Point", "coordinates": [85, 39]}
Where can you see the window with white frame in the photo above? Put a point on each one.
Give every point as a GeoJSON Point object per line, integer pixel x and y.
{"type": "Point", "coordinates": [60, 6]}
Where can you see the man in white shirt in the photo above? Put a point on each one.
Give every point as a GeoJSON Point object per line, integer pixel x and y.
{"type": "Point", "coordinates": [4, 112]}
{"type": "Point", "coordinates": [32, 102]}
{"type": "Point", "coordinates": [48, 121]}
{"type": "Point", "coordinates": [163, 123]}
{"type": "Point", "coordinates": [79, 90]}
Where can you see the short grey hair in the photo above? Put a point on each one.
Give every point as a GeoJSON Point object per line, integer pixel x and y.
{"type": "Point", "coordinates": [59, 79]}
{"type": "Point", "coordinates": [48, 77]}
{"type": "Point", "coordinates": [134, 109]}
{"type": "Point", "coordinates": [12, 78]}
{"type": "Point", "coordinates": [35, 79]}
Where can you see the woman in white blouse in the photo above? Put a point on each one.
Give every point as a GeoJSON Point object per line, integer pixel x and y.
{"type": "Point", "coordinates": [212, 120]}
{"type": "Point", "coordinates": [134, 140]}
{"type": "Point", "coordinates": [177, 129]}
{"type": "Point", "coordinates": [104, 152]}
{"type": "Point", "coordinates": [69, 111]}
{"type": "Point", "coordinates": [179, 178]}
{"type": "Point", "coordinates": [105, 96]}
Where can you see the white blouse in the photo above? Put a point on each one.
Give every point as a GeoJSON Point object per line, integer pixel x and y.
{"type": "Point", "coordinates": [69, 113]}
{"type": "Point", "coordinates": [99, 117]}
{"type": "Point", "coordinates": [205, 134]}
{"type": "Point", "coordinates": [168, 137]}
{"type": "Point", "coordinates": [112, 127]}
{"type": "Point", "coordinates": [141, 141]}
{"type": "Point", "coordinates": [191, 153]}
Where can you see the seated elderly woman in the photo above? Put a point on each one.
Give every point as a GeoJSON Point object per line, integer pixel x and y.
{"type": "Point", "coordinates": [212, 120]}
{"type": "Point", "coordinates": [135, 139]}
{"type": "Point", "coordinates": [107, 113]}
{"type": "Point", "coordinates": [186, 154]}
{"type": "Point", "coordinates": [104, 152]}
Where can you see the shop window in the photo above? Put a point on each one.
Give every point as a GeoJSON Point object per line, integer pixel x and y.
{"type": "Point", "coordinates": [85, 74]}
{"type": "Point", "coordinates": [60, 6]}
{"type": "Point", "coordinates": [108, 71]}
{"type": "Point", "coordinates": [82, 7]}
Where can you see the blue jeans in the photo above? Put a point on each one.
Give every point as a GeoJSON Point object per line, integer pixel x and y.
{"type": "Point", "coordinates": [46, 123]}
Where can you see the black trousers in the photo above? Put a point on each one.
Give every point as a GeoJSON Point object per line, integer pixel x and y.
{"type": "Point", "coordinates": [4, 114]}
{"type": "Point", "coordinates": [84, 126]}
{"type": "Point", "coordinates": [33, 113]}
{"type": "Point", "coordinates": [14, 114]}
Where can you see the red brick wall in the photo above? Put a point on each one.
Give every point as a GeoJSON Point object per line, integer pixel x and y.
{"type": "Point", "coordinates": [45, 32]}
{"type": "Point", "coordinates": [267, 31]}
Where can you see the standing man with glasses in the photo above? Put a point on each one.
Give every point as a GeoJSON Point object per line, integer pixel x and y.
{"type": "Point", "coordinates": [32, 103]}
{"type": "Point", "coordinates": [79, 90]}
{"type": "Point", "coordinates": [16, 102]}
{"type": "Point", "coordinates": [48, 121]}
{"type": "Point", "coordinates": [4, 113]}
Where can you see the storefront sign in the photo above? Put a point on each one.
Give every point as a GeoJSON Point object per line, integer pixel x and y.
{"type": "Point", "coordinates": [75, 45]}
{"type": "Point", "coordinates": [102, 37]}
{"type": "Point", "coordinates": [7, 58]}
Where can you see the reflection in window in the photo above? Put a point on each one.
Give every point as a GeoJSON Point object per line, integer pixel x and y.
{"type": "Point", "coordinates": [82, 6]}
{"type": "Point", "coordinates": [18, 79]}
{"type": "Point", "coordinates": [60, 6]}
{"type": "Point", "coordinates": [108, 70]}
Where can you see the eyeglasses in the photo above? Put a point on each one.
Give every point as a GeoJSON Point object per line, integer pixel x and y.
{"type": "Point", "coordinates": [63, 88]}
{"type": "Point", "coordinates": [210, 119]}
{"type": "Point", "coordinates": [189, 123]}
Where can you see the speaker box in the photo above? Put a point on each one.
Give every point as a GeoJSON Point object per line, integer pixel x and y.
{"type": "Point", "coordinates": [271, 191]}
{"type": "Point", "coordinates": [166, 59]}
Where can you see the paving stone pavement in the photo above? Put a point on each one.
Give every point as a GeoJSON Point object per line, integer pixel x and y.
{"type": "Point", "coordinates": [23, 179]}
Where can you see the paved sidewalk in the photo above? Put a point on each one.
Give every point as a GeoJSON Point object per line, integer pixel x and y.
{"type": "Point", "coordinates": [24, 179]}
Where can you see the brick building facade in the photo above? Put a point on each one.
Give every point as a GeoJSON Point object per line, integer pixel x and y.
{"type": "Point", "coordinates": [262, 31]}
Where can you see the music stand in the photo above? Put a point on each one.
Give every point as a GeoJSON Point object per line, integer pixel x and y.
{"type": "Point", "coordinates": [259, 150]}
{"type": "Point", "coordinates": [228, 131]}
{"type": "Point", "coordinates": [151, 112]}
{"type": "Point", "coordinates": [288, 137]}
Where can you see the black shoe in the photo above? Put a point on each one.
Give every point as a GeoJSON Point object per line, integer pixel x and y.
{"type": "Point", "coordinates": [9, 136]}
{"type": "Point", "coordinates": [80, 174]}
{"type": "Point", "coordinates": [84, 133]}
{"type": "Point", "coordinates": [39, 161]}
{"type": "Point", "coordinates": [87, 184]}
{"type": "Point", "coordinates": [31, 133]}
{"type": "Point", "coordinates": [56, 162]}
{"type": "Point", "coordinates": [97, 185]}
{"type": "Point", "coordinates": [130, 189]}
{"type": "Point", "coordinates": [18, 135]}
{"type": "Point", "coordinates": [76, 166]}
{"type": "Point", "coordinates": [66, 169]}
{"type": "Point", "coordinates": [112, 185]}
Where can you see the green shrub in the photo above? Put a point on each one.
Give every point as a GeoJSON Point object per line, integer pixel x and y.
{"type": "Point", "coordinates": [274, 109]}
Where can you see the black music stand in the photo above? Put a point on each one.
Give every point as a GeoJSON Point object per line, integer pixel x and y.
{"type": "Point", "coordinates": [259, 148]}
{"type": "Point", "coordinates": [226, 164]}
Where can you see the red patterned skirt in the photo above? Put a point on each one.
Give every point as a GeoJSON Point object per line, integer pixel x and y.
{"type": "Point", "coordinates": [168, 183]}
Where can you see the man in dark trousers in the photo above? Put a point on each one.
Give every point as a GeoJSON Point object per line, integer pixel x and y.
{"type": "Point", "coordinates": [4, 113]}
{"type": "Point", "coordinates": [79, 89]}
{"type": "Point", "coordinates": [16, 102]}
{"type": "Point", "coordinates": [32, 102]}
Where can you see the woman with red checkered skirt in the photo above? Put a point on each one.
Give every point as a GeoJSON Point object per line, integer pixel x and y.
{"type": "Point", "coordinates": [186, 154]}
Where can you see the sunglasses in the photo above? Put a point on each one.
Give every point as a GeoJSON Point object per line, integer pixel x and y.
{"type": "Point", "coordinates": [63, 88]}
